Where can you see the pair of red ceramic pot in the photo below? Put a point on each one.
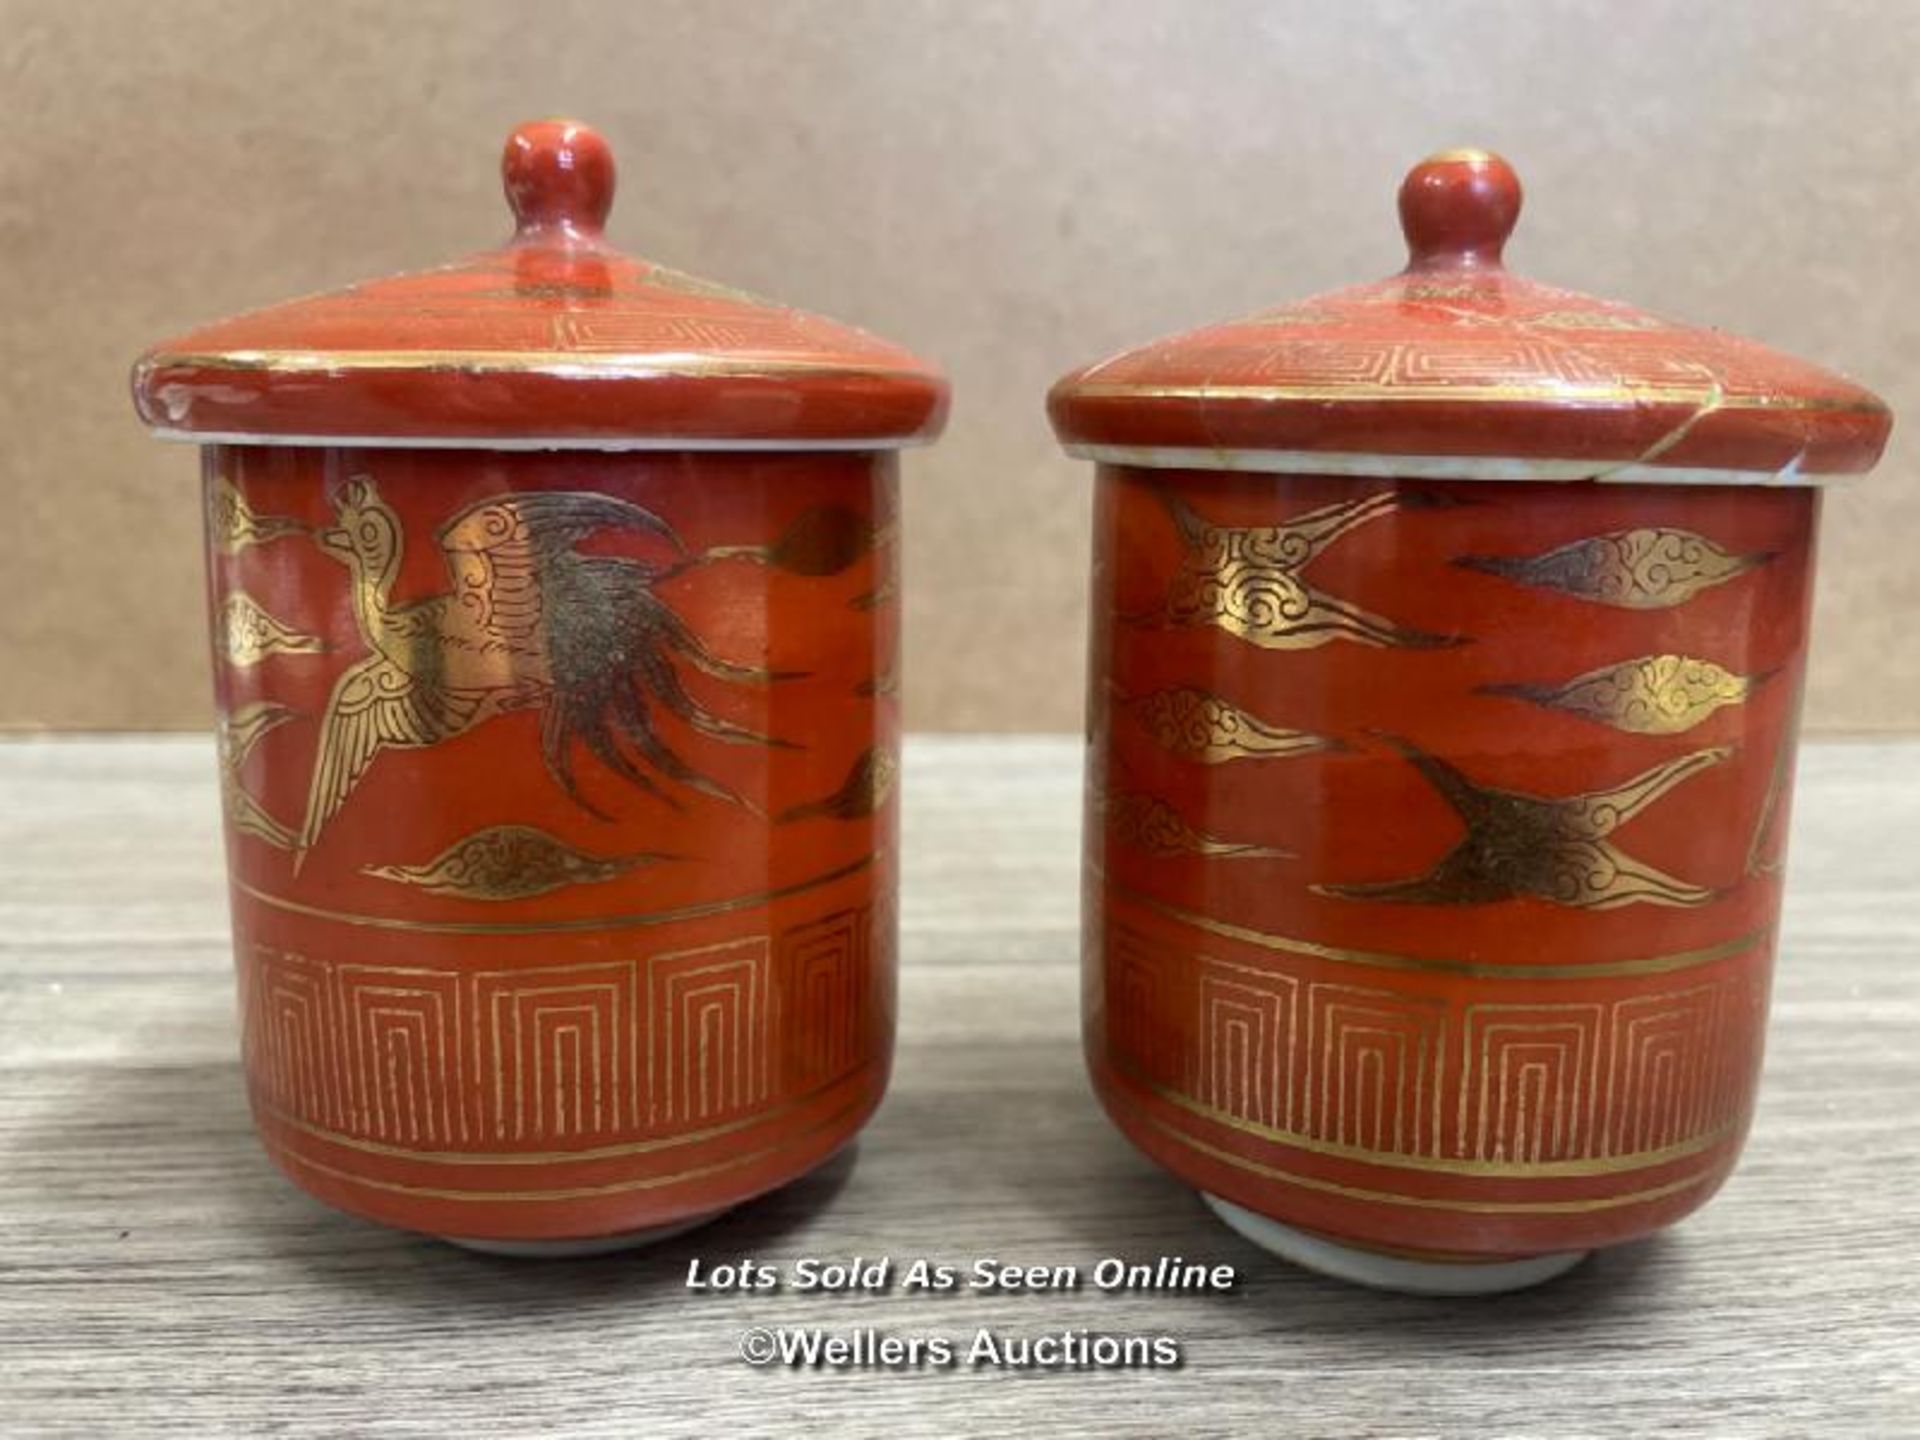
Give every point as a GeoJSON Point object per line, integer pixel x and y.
{"type": "Point", "coordinates": [1448, 636]}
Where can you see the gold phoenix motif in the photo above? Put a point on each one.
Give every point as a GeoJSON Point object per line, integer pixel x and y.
{"type": "Point", "coordinates": [236, 735]}
{"type": "Point", "coordinates": [1246, 579]}
{"type": "Point", "coordinates": [1553, 848]}
{"type": "Point", "coordinates": [1654, 695]}
{"type": "Point", "coordinates": [249, 633]}
{"type": "Point", "coordinates": [232, 524]}
{"type": "Point", "coordinates": [1203, 727]}
{"type": "Point", "coordinates": [865, 790]}
{"type": "Point", "coordinates": [530, 623]}
{"type": "Point", "coordinates": [1631, 569]}
{"type": "Point", "coordinates": [1148, 823]}
{"type": "Point", "coordinates": [510, 862]}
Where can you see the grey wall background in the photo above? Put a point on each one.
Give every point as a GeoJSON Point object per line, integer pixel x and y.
{"type": "Point", "coordinates": [1012, 188]}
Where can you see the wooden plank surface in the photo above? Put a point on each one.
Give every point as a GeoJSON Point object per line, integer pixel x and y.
{"type": "Point", "coordinates": [156, 1275]}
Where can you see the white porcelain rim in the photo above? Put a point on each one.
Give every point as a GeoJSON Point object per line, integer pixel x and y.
{"type": "Point", "coordinates": [1495, 468]}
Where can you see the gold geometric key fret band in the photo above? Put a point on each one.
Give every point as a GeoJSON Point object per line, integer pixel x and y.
{"type": "Point", "coordinates": [1500, 1169]}
{"type": "Point", "coordinates": [1511, 1082]}
{"type": "Point", "coordinates": [606, 1056]}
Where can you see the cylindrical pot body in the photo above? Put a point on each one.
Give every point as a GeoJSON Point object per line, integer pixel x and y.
{"type": "Point", "coordinates": [1449, 633]}
{"type": "Point", "coordinates": [1434, 841]}
{"type": "Point", "coordinates": [555, 641]}
{"type": "Point", "coordinates": [560, 822]}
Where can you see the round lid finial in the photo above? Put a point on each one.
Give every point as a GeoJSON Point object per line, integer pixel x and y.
{"type": "Point", "coordinates": [1457, 208]}
{"type": "Point", "coordinates": [558, 175]}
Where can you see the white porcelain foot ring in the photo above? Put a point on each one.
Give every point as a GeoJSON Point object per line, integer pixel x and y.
{"type": "Point", "coordinates": [588, 1245]}
{"type": "Point", "coordinates": [1391, 1272]}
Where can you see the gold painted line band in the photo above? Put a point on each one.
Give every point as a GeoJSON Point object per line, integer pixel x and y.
{"type": "Point", "coordinates": [550, 1157]}
{"type": "Point", "coordinates": [1439, 1165]}
{"type": "Point", "coordinates": [562, 364]}
{"type": "Point", "coordinates": [1428, 1202]}
{"type": "Point", "coordinates": [1485, 969]}
{"type": "Point", "coordinates": [599, 444]}
{"type": "Point", "coordinates": [549, 927]}
{"type": "Point", "coordinates": [1470, 394]}
{"type": "Point", "coordinates": [577, 1192]}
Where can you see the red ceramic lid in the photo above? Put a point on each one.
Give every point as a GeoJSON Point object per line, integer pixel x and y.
{"type": "Point", "coordinates": [1457, 367]}
{"type": "Point", "coordinates": [555, 339]}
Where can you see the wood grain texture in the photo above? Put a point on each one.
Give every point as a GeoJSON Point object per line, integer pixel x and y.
{"type": "Point", "coordinates": [157, 1276]}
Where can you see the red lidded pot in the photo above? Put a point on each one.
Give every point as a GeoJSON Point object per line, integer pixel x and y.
{"type": "Point", "coordinates": [555, 638]}
{"type": "Point", "coordinates": [1448, 640]}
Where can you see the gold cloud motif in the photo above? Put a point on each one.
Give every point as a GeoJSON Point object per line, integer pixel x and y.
{"type": "Point", "coordinates": [249, 634]}
{"type": "Point", "coordinates": [1653, 695]}
{"type": "Point", "coordinates": [232, 524]}
{"type": "Point", "coordinates": [1198, 726]}
{"type": "Point", "coordinates": [1648, 569]}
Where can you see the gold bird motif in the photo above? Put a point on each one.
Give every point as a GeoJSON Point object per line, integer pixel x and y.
{"type": "Point", "coordinates": [510, 862]}
{"type": "Point", "coordinates": [236, 734]}
{"type": "Point", "coordinates": [1766, 851]}
{"type": "Point", "coordinates": [530, 623]}
{"type": "Point", "coordinates": [868, 784]}
{"type": "Point", "coordinates": [881, 683]}
{"type": "Point", "coordinates": [1544, 847]}
{"type": "Point", "coordinates": [1246, 580]}
{"type": "Point", "coordinates": [1149, 824]}
{"type": "Point", "coordinates": [826, 540]}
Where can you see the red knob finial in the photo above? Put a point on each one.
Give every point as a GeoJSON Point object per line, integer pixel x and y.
{"type": "Point", "coordinates": [558, 176]}
{"type": "Point", "coordinates": [1458, 208]}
